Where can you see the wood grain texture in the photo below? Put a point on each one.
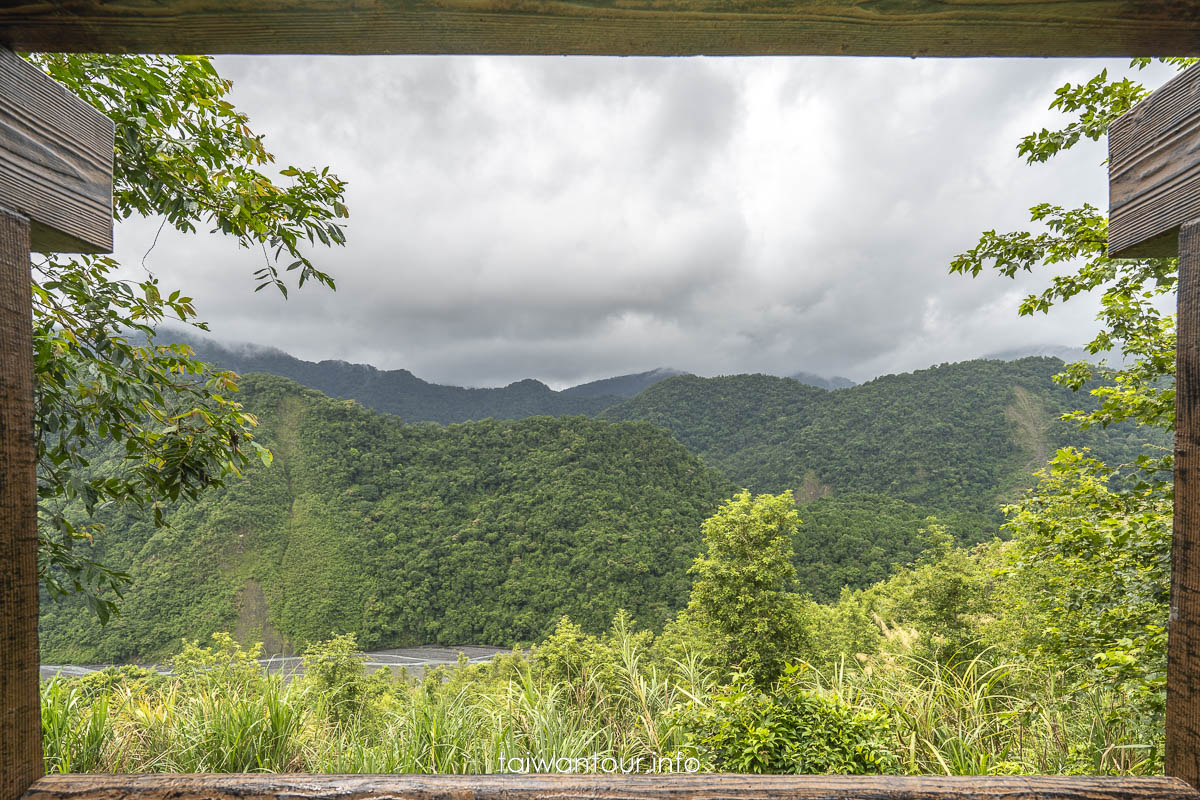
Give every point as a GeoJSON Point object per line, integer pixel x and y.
{"type": "Point", "coordinates": [611, 27]}
{"type": "Point", "coordinates": [20, 714]}
{"type": "Point", "coordinates": [599, 787]}
{"type": "Point", "coordinates": [1183, 645]}
{"type": "Point", "coordinates": [56, 156]}
{"type": "Point", "coordinates": [1154, 170]}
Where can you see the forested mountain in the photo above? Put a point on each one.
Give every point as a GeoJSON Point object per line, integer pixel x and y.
{"type": "Point", "coordinates": [480, 532]}
{"type": "Point", "coordinates": [957, 439]}
{"type": "Point", "coordinates": [401, 393]}
{"type": "Point", "coordinates": [488, 531]}
{"type": "Point", "coordinates": [956, 436]}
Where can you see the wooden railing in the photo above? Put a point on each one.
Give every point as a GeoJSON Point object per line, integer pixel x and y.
{"type": "Point", "coordinates": [602, 787]}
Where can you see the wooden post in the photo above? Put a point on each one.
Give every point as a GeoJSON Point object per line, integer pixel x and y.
{"type": "Point", "coordinates": [1154, 212]}
{"type": "Point", "coordinates": [1183, 652]}
{"type": "Point", "coordinates": [20, 723]}
{"type": "Point", "coordinates": [55, 196]}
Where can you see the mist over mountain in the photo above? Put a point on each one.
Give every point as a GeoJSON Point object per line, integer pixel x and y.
{"type": "Point", "coordinates": [622, 385]}
{"type": "Point", "coordinates": [835, 382]}
{"type": "Point", "coordinates": [1062, 352]}
{"type": "Point", "coordinates": [401, 393]}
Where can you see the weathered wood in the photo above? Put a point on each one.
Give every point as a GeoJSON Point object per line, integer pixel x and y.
{"type": "Point", "coordinates": [596, 787]}
{"type": "Point", "coordinates": [56, 156]}
{"type": "Point", "coordinates": [20, 716]}
{"type": "Point", "coordinates": [1154, 170]}
{"type": "Point", "coordinates": [1183, 647]}
{"type": "Point", "coordinates": [629, 27]}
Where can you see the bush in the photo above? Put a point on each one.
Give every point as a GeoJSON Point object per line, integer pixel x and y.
{"type": "Point", "coordinates": [224, 667]}
{"type": "Point", "coordinates": [333, 670]}
{"type": "Point", "coordinates": [787, 730]}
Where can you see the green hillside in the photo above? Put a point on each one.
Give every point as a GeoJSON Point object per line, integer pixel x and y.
{"type": "Point", "coordinates": [957, 437]}
{"type": "Point", "coordinates": [487, 532]}
{"type": "Point", "coordinates": [480, 532]}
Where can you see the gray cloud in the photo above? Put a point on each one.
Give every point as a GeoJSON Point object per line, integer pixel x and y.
{"type": "Point", "coordinates": [568, 219]}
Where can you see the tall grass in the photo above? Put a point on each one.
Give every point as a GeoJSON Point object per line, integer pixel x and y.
{"type": "Point", "coordinates": [973, 716]}
{"type": "Point", "coordinates": [959, 717]}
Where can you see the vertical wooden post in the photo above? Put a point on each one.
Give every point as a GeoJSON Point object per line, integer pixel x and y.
{"type": "Point", "coordinates": [1183, 649]}
{"type": "Point", "coordinates": [20, 714]}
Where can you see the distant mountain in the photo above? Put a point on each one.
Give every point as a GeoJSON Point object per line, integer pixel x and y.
{"type": "Point", "coordinates": [836, 382]}
{"type": "Point", "coordinates": [622, 385]}
{"type": "Point", "coordinates": [400, 392]}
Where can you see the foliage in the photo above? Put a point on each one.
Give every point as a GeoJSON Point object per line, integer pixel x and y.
{"type": "Point", "coordinates": [1130, 289]}
{"type": "Point", "coordinates": [1087, 580]}
{"type": "Point", "coordinates": [75, 727]}
{"type": "Point", "coordinates": [485, 532]}
{"type": "Point", "coordinates": [789, 729]}
{"type": "Point", "coordinates": [892, 711]}
{"type": "Point", "coordinates": [858, 539]}
{"type": "Point", "coordinates": [956, 440]}
{"type": "Point", "coordinates": [184, 153]}
{"type": "Point", "coordinates": [224, 667]}
{"type": "Point", "coordinates": [741, 598]}
{"type": "Point", "coordinates": [337, 681]}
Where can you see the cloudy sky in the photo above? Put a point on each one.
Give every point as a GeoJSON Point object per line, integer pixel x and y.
{"type": "Point", "coordinates": [574, 218]}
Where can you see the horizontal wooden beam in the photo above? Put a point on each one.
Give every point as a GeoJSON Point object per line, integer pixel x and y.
{"type": "Point", "coordinates": [56, 156]}
{"type": "Point", "coordinates": [610, 27]}
{"type": "Point", "coordinates": [600, 787]}
{"type": "Point", "coordinates": [1154, 170]}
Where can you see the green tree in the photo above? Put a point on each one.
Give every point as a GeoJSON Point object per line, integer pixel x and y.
{"type": "Point", "coordinates": [1087, 579]}
{"type": "Point", "coordinates": [1089, 565]}
{"type": "Point", "coordinates": [121, 420]}
{"type": "Point", "coordinates": [741, 598]}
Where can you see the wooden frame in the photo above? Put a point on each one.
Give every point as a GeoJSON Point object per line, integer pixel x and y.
{"type": "Point", "coordinates": [610, 27]}
{"type": "Point", "coordinates": [61, 206]}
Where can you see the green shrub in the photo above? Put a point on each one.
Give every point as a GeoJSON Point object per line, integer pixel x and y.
{"type": "Point", "coordinates": [787, 729]}
{"type": "Point", "coordinates": [223, 667]}
{"type": "Point", "coordinates": [335, 677]}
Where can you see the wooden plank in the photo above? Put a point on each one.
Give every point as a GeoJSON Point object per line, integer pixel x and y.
{"type": "Point", "coordinates": [1183, 646]}
{"type": "Point", "coordinates": [20, 714]}
{"type": "Point", "coordinates": [598, 787]}
{"type": "Point", "coordinates": [1154, 170]}
{"type": "Point", "coordinates": [56, 156]}
{"type": "Point", "coordinates": [611, 27]}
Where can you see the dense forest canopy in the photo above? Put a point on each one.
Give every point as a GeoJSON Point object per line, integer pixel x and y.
{"type": "Point", "coordinates": [489, 531]}
{"type": "Point", "coordinates": [404, 534]}
{"type": "Point", "coordinates": [953, 437]}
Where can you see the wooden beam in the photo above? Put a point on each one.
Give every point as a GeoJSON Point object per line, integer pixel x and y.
{"type": "Point", "coordinates": [602, 787]}
{"type": "Point", "coordinates": [606, 27]}
{"type": "Point", "coordinates": [20, 711]}
{"type": "Point", "coordinates": [56, 155]}
{"type": "Point", "coordinates": [1154, 170]}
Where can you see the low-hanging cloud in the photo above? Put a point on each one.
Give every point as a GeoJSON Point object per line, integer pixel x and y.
{"type": "Point", "coordinates": [573, 218]}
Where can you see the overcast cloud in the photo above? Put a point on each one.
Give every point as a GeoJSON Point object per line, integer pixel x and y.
{"type": "Point", "coordinates": [568, 218]}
